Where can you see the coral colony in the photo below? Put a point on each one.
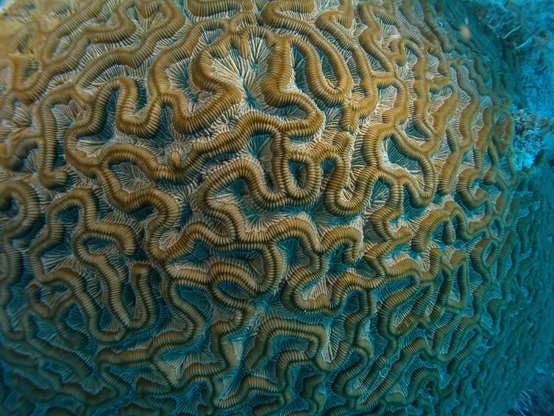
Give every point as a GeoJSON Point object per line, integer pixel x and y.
{"type": "Point", "coordinates": [260, 208]}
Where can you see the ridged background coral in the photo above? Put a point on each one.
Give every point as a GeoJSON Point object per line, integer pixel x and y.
{"type": "Point", "coordinates": [252, 207]}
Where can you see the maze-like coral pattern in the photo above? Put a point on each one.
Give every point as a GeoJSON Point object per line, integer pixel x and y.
{"type": "Point", "coordinates": [254, 207]}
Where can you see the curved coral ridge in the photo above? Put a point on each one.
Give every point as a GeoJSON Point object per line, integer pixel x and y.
{"type": "Point", "coordinates": [287, 206]}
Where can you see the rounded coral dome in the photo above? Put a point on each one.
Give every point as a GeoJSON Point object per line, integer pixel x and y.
{"type": "Point", "coordinates": [256, 207]}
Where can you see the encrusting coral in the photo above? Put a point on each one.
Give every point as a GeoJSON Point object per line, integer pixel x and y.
{"type": "Point", "coordinates": [256, 207]}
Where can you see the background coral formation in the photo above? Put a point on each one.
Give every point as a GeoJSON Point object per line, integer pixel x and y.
{"type": "Point", "coordinates": [238, 207]}
{"type": "Point", "coordinates": [522, 33]}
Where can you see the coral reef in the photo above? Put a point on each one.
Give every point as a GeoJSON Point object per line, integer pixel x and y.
{"type": "Point", "coordinates": [522, 32]}
{"type": "Point", "coordinates": [538, 400]}
{"type": "Point", "coordinates": [532, 135]}
{"type": "Point", "coordinates": [538, 397]}
{"type": "Point", "coordinates": [260, 207]}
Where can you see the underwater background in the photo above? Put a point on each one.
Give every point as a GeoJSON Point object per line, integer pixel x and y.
{"type": "Point", "coordinates": [519, 39]}
{"type": "Point", "coordinates": [525, 32]}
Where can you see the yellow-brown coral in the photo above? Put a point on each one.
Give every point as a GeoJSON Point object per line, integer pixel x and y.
{"type": "Point", "coordinates": [285, 207]}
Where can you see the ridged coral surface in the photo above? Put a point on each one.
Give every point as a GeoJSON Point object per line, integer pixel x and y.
{"type": "Point", "coordinates": [236, 207]}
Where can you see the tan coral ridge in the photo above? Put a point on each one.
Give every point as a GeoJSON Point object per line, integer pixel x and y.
{"type": "Point", "coordinates": [294, 207]}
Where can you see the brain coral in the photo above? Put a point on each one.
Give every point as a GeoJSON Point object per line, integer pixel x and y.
{"type": "Point", "coordinates": [253, 207]}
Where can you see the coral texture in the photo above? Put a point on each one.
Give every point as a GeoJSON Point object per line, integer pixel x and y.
{"type": "Point", "coordinates": [253, 207]}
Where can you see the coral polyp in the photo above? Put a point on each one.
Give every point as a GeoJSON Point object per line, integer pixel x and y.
{"type": "Point", "coordinates": [256, 207]}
